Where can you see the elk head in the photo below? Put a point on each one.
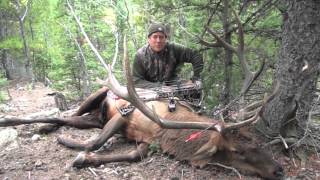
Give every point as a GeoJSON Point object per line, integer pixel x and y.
{"type": "Point", "coordinates": [253, 159]}
{"type": "Point", "coordinates": [213, 147]}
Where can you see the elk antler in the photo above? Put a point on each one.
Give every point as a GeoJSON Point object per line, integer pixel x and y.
{"type": "Point", "coordinates": [258, 114]}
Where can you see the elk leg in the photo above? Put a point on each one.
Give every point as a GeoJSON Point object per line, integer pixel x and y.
{"type": "Point", "coordinates": [81, 122]}
{"type": "Point", "coordinates": [92, 102]}
{"type": "Point", "coordinates": [112, 126]}
{"type": "Point", "coordinates": [85, 159]}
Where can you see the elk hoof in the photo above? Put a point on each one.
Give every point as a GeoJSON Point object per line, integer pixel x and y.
{"type": "Point", "coordinates": [79, 161]}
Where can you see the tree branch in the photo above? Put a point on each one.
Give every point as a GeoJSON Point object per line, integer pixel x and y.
{"type": "Point", "coordinates": [86, 36]}
{"type": "Point", "coordinates": [220, 40]}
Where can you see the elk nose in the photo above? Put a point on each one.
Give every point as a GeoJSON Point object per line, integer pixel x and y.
{"type": "Point", "coordinates": [279, 173]}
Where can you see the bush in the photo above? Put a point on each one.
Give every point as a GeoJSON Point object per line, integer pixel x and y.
{"type": "Point", "coordinates": [3, 92]}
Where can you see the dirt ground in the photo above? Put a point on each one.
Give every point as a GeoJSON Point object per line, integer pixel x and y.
{"type": "Point", "coordinates": [40, 157]}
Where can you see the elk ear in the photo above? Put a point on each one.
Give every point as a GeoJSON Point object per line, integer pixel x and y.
{"type": "Point", "coordinates": [205, 151]}
{"type": "Point", "coordinates": [201, 157]}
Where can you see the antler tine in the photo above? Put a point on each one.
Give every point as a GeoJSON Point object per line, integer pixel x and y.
{"type": "Point", "coordinates": [115, 86]}
{"type": "Point", "coordinates": [253, 106]}
{"type": "Point", "coordinates": [247, 112]}
{"type": "Point", "coordinates": [266, 100]}
{"type": "Point", "coordinates": [238, 125]}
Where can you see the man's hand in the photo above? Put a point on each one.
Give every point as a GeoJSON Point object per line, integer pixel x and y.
{"type": "Point", "coordinates": [197, 83]}
{"type": "Point", "coordinates": [167, 88]}
{"type": "Point", "coordinates": [189, 82]}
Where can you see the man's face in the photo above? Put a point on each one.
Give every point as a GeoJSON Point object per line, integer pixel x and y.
{"type": "Point", "coordinates": [157, 41]}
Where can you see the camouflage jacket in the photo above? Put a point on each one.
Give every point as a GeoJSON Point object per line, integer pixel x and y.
{"type": "Point", "coordinates": [150, 69]}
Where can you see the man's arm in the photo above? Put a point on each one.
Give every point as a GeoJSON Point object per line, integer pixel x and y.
{"type": "Point", "coordinates": [184, 54]}
{"type": "Point", "coordinates": [138, 73]}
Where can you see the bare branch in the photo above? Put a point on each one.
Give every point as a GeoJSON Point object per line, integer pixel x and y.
{"type": "Point", "coordinates": [251, 77]}
{"type": "Point", "coordinates": [219, 39]}
{"type": "Point", "coordinates": [201, 40]}
{"type": "Point", "coordinates": [133, 37]}
{"type": "Point", "coordinates": [207, 44]}
{"type": "Point", "coordinates": [228, 167]}
{"type": "Point", "coordinates": [18, 8]}
{"type": "Point", "coordinates": [26, 11]}
{"type": "Point", "coordinates": [240, 31]}
{"type": "Point", "coordinates": [210, 17]}
{"type": "Point", "coordinates": [278, 140]}
{"type": "Point", "coordinates": [114, 60]}
{"type": "Point", "coordinates": [86, 36]}
{"type": "Point", "coordinates": [73, 38]}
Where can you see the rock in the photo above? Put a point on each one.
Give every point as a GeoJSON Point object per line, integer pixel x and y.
{"type": "Point", "coordinates": [38, 163]}
{"type": "Point", "coordinates": [67, 176]}
{"type": "Point", "coordinates": [27, 168]}
{"type": "Point", "coordinates": [5, 108]}
{"type": "Point", "coordinates": [35, 137]}
{"type": "Point", "coordinates": [43, 114]}
{"type": "Point", "coordinates": [8, 139]}
{"type": "Point", "coordinates": [126, 175]}
{"type": "Point", "coordinates": [174, 178]}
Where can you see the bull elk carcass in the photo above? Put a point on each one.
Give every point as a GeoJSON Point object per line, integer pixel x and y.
{"type": "Point", "coordinates": [211, 146]}
{"type": "Point", "coordinates": [100, 110]}
{"type": "Point", "coordinates": [151, 122]}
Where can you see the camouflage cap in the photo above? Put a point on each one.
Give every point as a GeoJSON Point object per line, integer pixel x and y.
{"type": "Point", "coordinates": [157, 27]}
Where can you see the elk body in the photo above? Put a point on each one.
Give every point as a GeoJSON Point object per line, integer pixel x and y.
{"type": "Point", "coordinates": [100, 110]}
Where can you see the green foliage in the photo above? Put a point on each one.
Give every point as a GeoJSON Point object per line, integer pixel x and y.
{"type": "Point", "coordinates": [3, 93]}
{"type": "Point", "coordinates": [154, 148]}
{"type": "Point", "coordinates": [51, 32]}
{"type": "Point", "coordinates": [12, 43]}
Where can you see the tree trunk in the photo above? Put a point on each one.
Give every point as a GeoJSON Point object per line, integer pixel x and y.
{"type": "Point", "coordinates": [297, 70]}
{"type": "Point", "coordinates": [33, 59]}
{"type": "Point", "coordinates": [28, 65]}
{"type": "Point", "coordinates": [86, 83]}
{"type": "Point", "coordinates": [84, 76]}
{"type": "Point", "coordinates": [4, 64]}
{"type": "Point", "coordinates": [226, 92]}
{"type": "Point", "coordinates": [3, 35]}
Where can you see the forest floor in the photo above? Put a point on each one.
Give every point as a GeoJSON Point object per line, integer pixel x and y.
{"type": "Point", "coordinates": [31, 155]}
